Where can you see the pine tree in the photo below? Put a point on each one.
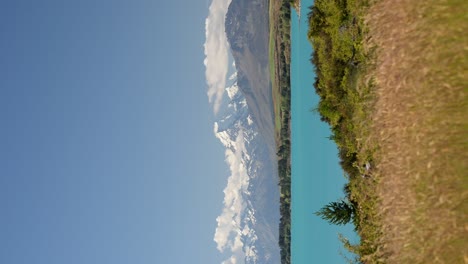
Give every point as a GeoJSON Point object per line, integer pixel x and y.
{"type": "Point", "coordinates": [338, 213]}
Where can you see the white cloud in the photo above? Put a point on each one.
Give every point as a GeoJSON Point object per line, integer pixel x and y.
{"type": "Point", "coordinates": [231, 260]}
{"type": "Point", "coordinates": [216, 52]}
{"type": "Point", "coordinates": [228, 232]}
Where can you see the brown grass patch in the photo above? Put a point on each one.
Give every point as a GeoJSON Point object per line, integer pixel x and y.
{"type": "Point", "coordinates": [420, 123]}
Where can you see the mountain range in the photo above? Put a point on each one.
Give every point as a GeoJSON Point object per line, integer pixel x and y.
{"type": "Point", "coordinates": [246, 129]}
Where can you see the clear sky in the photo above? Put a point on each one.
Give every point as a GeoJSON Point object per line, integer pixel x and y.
{"type": "Point", "coordinates": [106, 138]}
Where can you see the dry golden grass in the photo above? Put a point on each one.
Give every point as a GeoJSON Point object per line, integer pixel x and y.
{"type": "Point", "coordinates": [420, 123]}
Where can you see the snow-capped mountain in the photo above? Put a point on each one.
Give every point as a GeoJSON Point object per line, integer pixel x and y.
{"type": "Point", "coordinates": [248, 224]}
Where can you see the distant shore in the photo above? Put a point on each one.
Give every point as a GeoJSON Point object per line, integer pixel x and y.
{"type": "Point", "coordinates": [280, 57]}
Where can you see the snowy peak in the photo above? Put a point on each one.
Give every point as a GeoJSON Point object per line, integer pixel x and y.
{"type": "Point", "coordinates": [239, 229]}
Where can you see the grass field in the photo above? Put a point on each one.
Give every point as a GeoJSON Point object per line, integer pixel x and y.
{"type": "Point", "coordinates": [420, 123]}
{"type": "Point", "coordinates": [276, 93]}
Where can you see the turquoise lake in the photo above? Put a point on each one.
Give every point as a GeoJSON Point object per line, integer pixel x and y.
{"type": "Point", "coordinates": [317, 177]}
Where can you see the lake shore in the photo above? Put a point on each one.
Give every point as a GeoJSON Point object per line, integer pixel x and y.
{"type": "Point", "coordinates": [392, 79]}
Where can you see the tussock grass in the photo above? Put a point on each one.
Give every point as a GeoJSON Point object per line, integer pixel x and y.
{"type": "Point", "coordinates": [420, 125]}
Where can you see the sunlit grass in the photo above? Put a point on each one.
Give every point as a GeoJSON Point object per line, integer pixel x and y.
{"type": "Point", "coordinates": [402, 109]}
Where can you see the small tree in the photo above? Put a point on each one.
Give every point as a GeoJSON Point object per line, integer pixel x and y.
{"type": "Point", "coordinates": [338, 213]}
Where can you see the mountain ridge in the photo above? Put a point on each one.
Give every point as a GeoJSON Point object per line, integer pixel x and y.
{"type": "Point", "coordinates": [246, 129]}
{"type": "Point", "coordinates": [256, 223]}
{"type": "Point", "coordinates": [247, 32]}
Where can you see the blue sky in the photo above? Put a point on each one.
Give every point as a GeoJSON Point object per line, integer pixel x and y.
{"type": "Point", "coordinates": [107, 147]}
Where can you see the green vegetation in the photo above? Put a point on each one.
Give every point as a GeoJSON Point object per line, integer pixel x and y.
{"type": "Point", "coordinates": [336, 34]}
{"type": "Point", "coordinates": [337, 213]}
{"type": "Point", "coordinates": [336, 31]}
{"type": "Point", "coordinates": [280, 56]}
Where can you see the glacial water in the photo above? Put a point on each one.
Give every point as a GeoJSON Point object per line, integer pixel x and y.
{"type": "Point", "coordinates": [317, 178]}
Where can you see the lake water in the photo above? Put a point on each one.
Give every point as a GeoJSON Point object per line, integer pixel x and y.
{"type": "Point", "coordinates": [317, 178]}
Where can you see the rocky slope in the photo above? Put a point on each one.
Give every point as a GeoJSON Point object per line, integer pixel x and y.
{"type": "Point", "coordinates": [247, 31]}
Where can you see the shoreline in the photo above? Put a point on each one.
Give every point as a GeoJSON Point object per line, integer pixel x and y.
{"type": "Point", "coordinates": [402, 110]}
